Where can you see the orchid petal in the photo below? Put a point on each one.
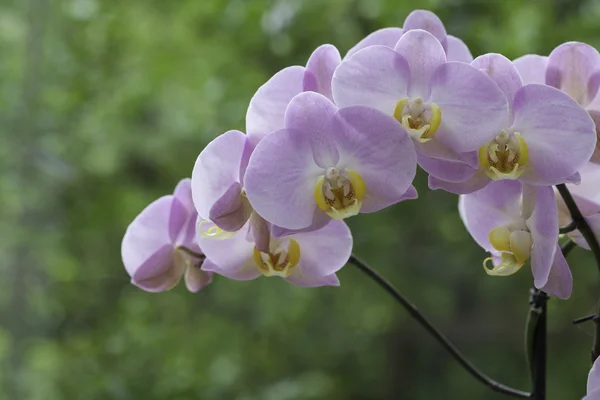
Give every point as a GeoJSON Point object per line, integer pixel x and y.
{"type": "Point", "coordinates": [594, 224]}
{"type": "Point", "coordinates": [158, 273]}
{"type": "Point", "coordinates": [410, 194]}
{"type": "Point", "coordinates": [196, 279]}
{"type": "Point", "coordinates": [532, 68]}
{"type": "Point", "coordinates": [427, 21]}
{"type": "Point", "coordinates": [319, 70]}
{"type": "Point", "coordinates": [560, 280]}
{"type": "Point", "coordinates": [497, 204]}
{"type": "Point", "coordinates": [593, 383]}
{"type": "Point", "coordinates": [183, 193]}
{"type": "Point", "coordinates": [589, 187]}
{"type": "Point", "coordinates": [550, 121]}
{"type": "Point", "coordinates": [216, 169]}
{"type": "Point", "coordinates": [299, 278]}
{"type": "Point", "coordinates": [473, 184]}
{"type": "Point", "coordinates": [501, 71]}
{"type": "Point", "coordinates": [231, 257]}
{"type": "Point", "coordinates": [267, 106]}
{"type": "Point", "coordinates": [178, 217]}
{"type": "Point", "coordinates": [286, 197]}
{"type": "Point", "coordinates": [148, 234]}
{"type": "Point", "coordinates": [320, 219]}
{"type": "Point", "coordinates": [375, 77]}
{"type": "Point", "coordinates": [473, 108]}
{"type": "Point", "coordinates": [543, 225]}
{"type": "Point", "coordinates": [446, 170]}
{"type": "Point", "coordinates": [596, 117]}
{"type": "Point", "coordinates": [311, 113]}
{"type": "Point", "coordinates": [375, 146]}
{"type": "Point", "coordinates": [424, 55]}
{"type": "Point", "coordinates": [458, 50]}
{"type": "Point", "coordinates": [570, 66]}
{"type": "Point", "coordinates": [324, 251]}
{"type": "Point", "coordinates": [259, 228]}
{"type": "Point", "coordinates": [231, 211]}
{"type": "Point", "coordinates": [383, 37]}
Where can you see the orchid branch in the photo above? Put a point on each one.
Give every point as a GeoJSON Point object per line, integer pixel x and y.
{"type": "Point", "coordinates": [536, 330]}
{"type": "Point", "coordinates": [592, 241]}
{"type": "Point", "coordinates": [437, 335]}
{"type": "Point", "coordinates": [569, 228]}
{"type": "Point", "coordinates": [567, 247]}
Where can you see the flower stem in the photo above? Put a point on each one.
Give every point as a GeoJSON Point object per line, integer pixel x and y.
{"type": "Point", "coordinates": [437, 335]}
{"type": "Point", "coordinates": [592, 241]}
{"type": "Point", "coordinates": [569, 228]}
{"type": "Point", "coordinates": [536, 342]}
{"type": "Point", "coordinates": [567, 247]}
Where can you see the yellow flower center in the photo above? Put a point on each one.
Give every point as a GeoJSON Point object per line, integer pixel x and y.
{"type": "Point", "coordinates": [420, 120]}
{"type": "Point", "coordinates": [505, 157]}
{"type": "Point", "coordinates": [515, 248]}
{"type": "Point", "coordinates": [280, 262]}
{"type": "Point", "coordinates": [339, 193]}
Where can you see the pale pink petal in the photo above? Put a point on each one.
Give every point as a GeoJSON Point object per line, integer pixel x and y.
{"type": "Point", "coordinates": [570, 67]}
{"type": "Point", "coordinates": [299, 278]}
{"type": "Point", "coordinates": [319, 70]}
{"type": "Point", "coordinates": [375, 77]}
{"type": "Point", "coordinates": [147, 235]}
{"type": "Point", "coordinates": [281, 178]}
{"type": "Point", "coordinates": [312, 114]}
{"type": "Point", "coordinates": [231, 257]}
{"type": "Point", "coordinates": [267, 106]}
{"type": "Point", "coordinates": [376, 147]}
{"type": "Point", "coordinates": [551, 121]}
{"type": "Point", "coordinates": [560, 280]}
{"type": "Point", "coordinates": [473, 184]}
{"type": "Point", "coordinates": [196, 279]}
{"type": "Point", "coordinates": [383, 37]}
{"type": "Point", "coordinates": [424, 55]}
{"type": "Point", "coordinates": [324, 251]}
{"type": "Point", "coordinates": [543, 225]}
{"type": "Point", "coordinates": [532, 68]}
{"type": "Point", "coordinates": [216, 169]}
{"type": "Point", "coordinates": [427, 21]}
{"type": "Point", "coordinates": [501, 71]}
{"type": "Point", "coordinates": [458, 50]}
{"type": "Point", "coordinates": [473, 107]}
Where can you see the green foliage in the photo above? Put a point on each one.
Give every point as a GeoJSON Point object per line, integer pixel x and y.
{"type": "Point", "coordinates": [105, 106]}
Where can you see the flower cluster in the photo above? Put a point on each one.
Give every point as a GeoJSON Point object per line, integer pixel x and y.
{"type": "Point", "coordinates": [344, 135]}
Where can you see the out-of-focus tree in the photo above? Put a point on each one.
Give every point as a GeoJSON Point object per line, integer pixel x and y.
{"type": "Point", "coordinates": [105, 106]}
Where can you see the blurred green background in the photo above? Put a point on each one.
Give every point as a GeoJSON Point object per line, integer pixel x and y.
{"type": "Point", "coordinates": [105, 105]}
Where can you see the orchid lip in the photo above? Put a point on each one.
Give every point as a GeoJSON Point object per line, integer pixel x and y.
{"type": "Point", "coordinates": [421, 120]}
{"type": "Point", "coordinates": [505, 157]}
{"type": "Point", "coordinates": [280, 262]}
{"type": "Point", "coordinates": [508, 266]}
{"type": "Point", "coordinates": [515, 248]}
{"type": "Point", "coordinates": [339, 193]}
